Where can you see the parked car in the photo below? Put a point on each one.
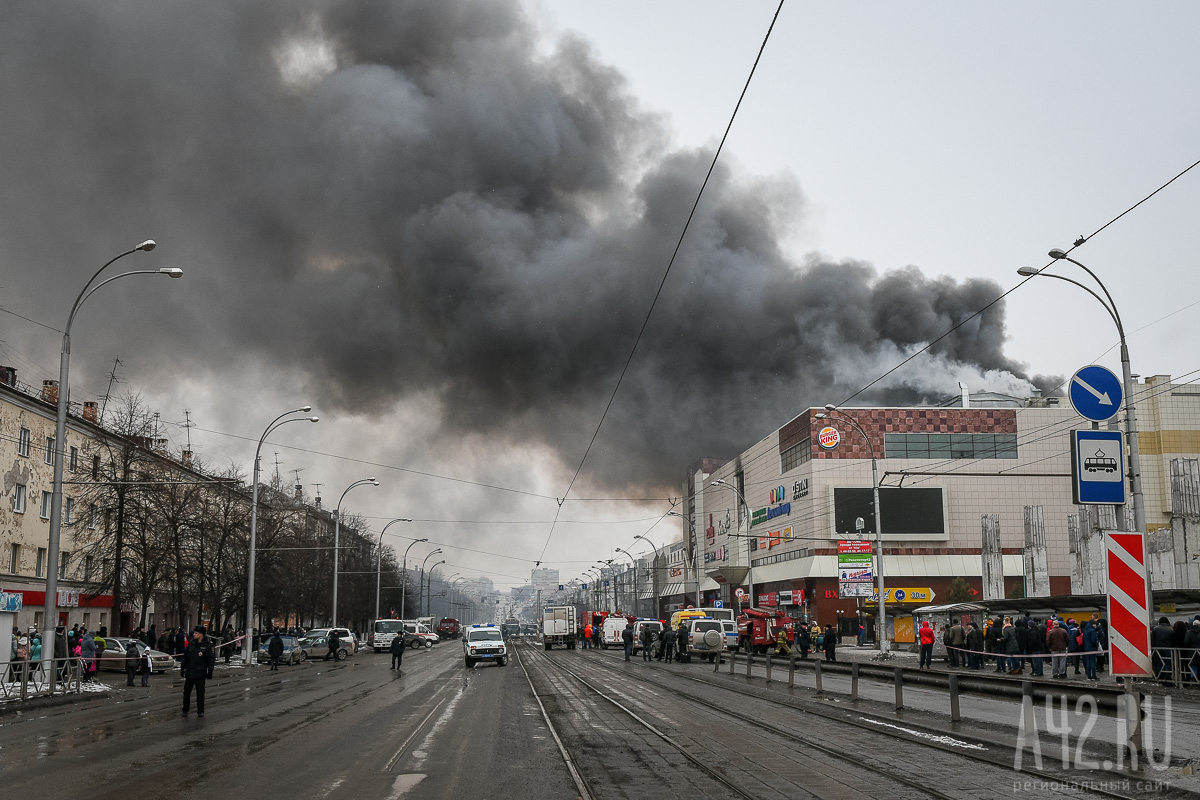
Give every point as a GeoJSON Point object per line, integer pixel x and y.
{"type": "Point", "coordinates": [317, 647]}
{"type": "Point", "coordinates": [346, 640]}
{"type": "Point", "coordinates": [653, 624]}
{"type": "Point", "coordinates": [293, 653]}
{"type": "Point", "coordinates": [705, 639]}
{"type": "Point", "coordinates": [116, 648]}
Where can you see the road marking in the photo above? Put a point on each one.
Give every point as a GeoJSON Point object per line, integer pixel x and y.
{"type": "Point", "coordinates": [396, 757]}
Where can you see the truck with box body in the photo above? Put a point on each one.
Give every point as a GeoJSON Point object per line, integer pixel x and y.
{"type": "Point", "coordinates": [558, 626]}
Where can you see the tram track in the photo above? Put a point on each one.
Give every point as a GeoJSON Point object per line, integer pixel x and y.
{"type": "Point", "coordinates": [874, 724]}
{"type": "Point", "coordinates": [922, 789]}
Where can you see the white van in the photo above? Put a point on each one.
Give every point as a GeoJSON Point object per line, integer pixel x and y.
{"type": "Point", "coordinates": [655, 626]}
{"type": "Point", "coordinates": [610, 634]}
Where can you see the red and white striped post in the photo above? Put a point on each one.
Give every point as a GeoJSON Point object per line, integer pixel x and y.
{"type": "Point", "coordinates": [1129, 608]}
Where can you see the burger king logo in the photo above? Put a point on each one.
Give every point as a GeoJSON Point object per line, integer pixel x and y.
{"type": "Point", "coordinates": [829, 438]}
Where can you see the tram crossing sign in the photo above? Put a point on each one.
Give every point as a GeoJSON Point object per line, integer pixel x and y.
{"type": "Point", "coordinates": [1095, 393]}
{"type": "Point", "coordinates": [1097, 467]}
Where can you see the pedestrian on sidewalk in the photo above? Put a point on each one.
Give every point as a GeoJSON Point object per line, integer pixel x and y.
{"type": "Point", "coordinates": [958, 638]}
{"type": "Point", "coordinates": [974, 643]}
{"type": "Point", "coordinates": [1035, 645]}
{"type": "Point", "coordinates": [927, 637]}
{"type": "Point", "coordinates": [133, 660]}
{"type": "Point", "coordinates": [275, 651]}
{"type": "Point", "coordinates": [88, 649]}
{"type": "Point", "coordinates": [1075, 642]}
{"type": "Point", "coordinates": [668, 649]}
{"type": "Point", "coordinates": [681, 638]}
{"type": "Point", "coordinates": [1011, 647]}
{"type": "Point", "coordinates": [862, 633]}
{"type": "Point", "coordinates": [146, 666]}
{"type": "Point", "coordinates": [627, 639]}
{"type": "Point", "coordinates": [830, 644]}
{"type": "Point", "coordinates": [196, 667]}
{"type": "Point", "coordinates": [587, 636]}
{"type": "Point", "coordinates": [332, 644]}
{"type": "Point", "coordinates": [397, 650]}
{"type": "Point", "coordinates": [1091, 643]}
{"type": "Point", "coordinates": [647, 643]}
{"type": "Point", "coordinates": [1058, 643]}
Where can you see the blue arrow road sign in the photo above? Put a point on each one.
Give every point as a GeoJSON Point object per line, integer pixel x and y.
{"type": "Point", "coordinates": [1095, 393]}
{"type": "Point", "coordinates": [1097, 466]}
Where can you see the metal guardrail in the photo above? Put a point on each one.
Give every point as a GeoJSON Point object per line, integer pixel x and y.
{"type": "Point", "coordinates": [20, 680]}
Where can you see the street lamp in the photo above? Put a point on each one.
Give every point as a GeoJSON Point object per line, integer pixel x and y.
{"type": "Point", "coordinates": [429, 597]}
{"type": "Point", "coordinates": [1131, 430]}
{"type": "Point", "coordinates": [379, 559]}
{"type": "Point", "coordinates": [608, 564]}
{"type": "Point", "coordinates": [421, 578]}
{"type": "Point", "coordinates": [632, 577]}
{"type": "Point", "coordinates": [60, 445]}
{"type": "Point", "coordinates": [404, 582]}
{"type": "Point", "coordinates": [337, 531]}
{"type": "Point", "coordinates": [749, 564]}
{"type": "Point", "coordinates": [653, 572]}
{"type": "Point", "coordinates": [696, 539]}
{"type": "Point", "coordinates": [247, 644]}
{"type": "Point", "coordinates": [832, 410]}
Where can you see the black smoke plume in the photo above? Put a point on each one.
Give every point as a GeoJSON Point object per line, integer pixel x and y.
{"type": "Point", "coordinates": [409, 197]}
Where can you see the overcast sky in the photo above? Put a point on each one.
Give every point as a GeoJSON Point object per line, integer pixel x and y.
{"type": "Point", "coordinates": [441, 225]}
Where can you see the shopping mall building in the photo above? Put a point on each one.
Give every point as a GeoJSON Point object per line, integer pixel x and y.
{"type": "Point", "coordinates": [980, 488]}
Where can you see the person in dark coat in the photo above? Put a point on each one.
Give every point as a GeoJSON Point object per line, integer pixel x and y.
{"type": "Point", "coordinates": [627, 639]}
{"type": "Point", "coordinates": [1192, 642]}
{"type": "Point", "coordinates": [333, 643]}
{"type": "Point", "coordinates": [1091, 643]}
{"type": "Point", "coordinates": [1161, 638]}
{"type": "Point", "coordinates": [275, 650]}
{"type": "Point", "coordinates": [975, 644]}
{"type": "Point", "coordinates": [681, 638]}
{"type": "Point", "coordinates": [199, 658]}
{"type": "Point", "coordinates": [668, 649]}
{"type": "Point", "coordinates": [396, 648]}
{"type": "Point", "coordinates": [180, 643]}
{"type": "Point", "coordinates": [830, 644]}
{"type": "Point", "coordinates": [647, 643]}
{"type": "Point", "coordinates": [133, 661]}
{"type": "Point", "coordinates": [803, 640]}
{"type": "Point", "coordinates": [1035, 646]}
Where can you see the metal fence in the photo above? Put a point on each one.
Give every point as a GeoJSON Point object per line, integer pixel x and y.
{"type": "Point", "coordinates": [1176, 666]}
{"type": "Point", "coordinates": [20, 680]}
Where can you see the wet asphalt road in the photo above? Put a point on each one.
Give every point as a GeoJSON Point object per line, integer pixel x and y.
{"type": "Point", "coordinates": [433, 730]}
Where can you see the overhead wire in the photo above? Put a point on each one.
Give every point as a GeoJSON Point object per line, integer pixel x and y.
{"type": "Point", "coordinates": [670, 263]}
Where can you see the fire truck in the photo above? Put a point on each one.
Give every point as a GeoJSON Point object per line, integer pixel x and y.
{"type": "Point", "coordinates": [758, 629]}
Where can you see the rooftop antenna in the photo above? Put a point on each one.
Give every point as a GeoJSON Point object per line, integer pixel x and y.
{"type": "Point", "coordinates": [187, 426]}
{"type": "Point", "coordinates": [277, 478]}
{"type": "Point", "coordinates": [296, 476]}
{"type": "Point", "coordinates": [317, 499]}
{"type": "Point", "coordinates": [112, 378]}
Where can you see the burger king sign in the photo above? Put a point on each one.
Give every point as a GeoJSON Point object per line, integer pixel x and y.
{"type": "Point", "coordinates": [829, 438]}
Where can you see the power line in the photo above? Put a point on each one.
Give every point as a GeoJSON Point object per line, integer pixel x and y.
{"type": "Point", "coordinates": [1078, 243]}
{"type": "Point", "coordinates": [670, 263]}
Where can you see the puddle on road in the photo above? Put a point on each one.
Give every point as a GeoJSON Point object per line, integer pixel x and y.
{"type": "Point", "coordinates": [404, 783]}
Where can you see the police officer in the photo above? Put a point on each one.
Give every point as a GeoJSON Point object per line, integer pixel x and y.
{"type": "Point", "coordinates": [197, 664]}
{"type": "Point", "coordinates": [668, 648]}
{"type": "Point", "coordinates": [397, 650]}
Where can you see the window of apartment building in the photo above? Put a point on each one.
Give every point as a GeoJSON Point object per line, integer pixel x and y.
{"type": "Point", "coordinates": [92, 515]}
{"type": "Point", "coordinates": [794, 456]}
{"type": "Point", "coordinates": [14, 558]}
{"type": "Point", "coordinates": [950, 445]}
{"type": "Point", "coordinates": [19, 498]}
{"type": "Point", "coordinates": [48, 457]}
{"type": "Point", "coordinates": [69, 510]}
{"type": "Point", "coordinates": [23, 443]}
{"type": "Point", "coordinates": [88, 561]}
{"type": "Point", "coordinates": [73, 461]}
{"type": "Point", "coordinates": [46, 500]}
{"type": "Point", "coordinates": [38, 616]}
{"type": "Point", "coordinates": [40, 565]}
{"type": "Point", "coordinates": [95, 468]}
{"type": "Point", "coordinates": [64, 561]}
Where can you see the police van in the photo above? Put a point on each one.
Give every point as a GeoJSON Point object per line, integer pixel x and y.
{"type": "Point", "coordinates": [484, 643]}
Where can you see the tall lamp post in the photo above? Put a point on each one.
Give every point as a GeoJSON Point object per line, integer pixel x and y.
{"type": "Point", "coordinates": [337, 535]}
{"type": "Point", "coordinates": [696, 539]}
{"type": "Point", "coordinates": [60, 446]}
{"type": "Point", "coordinates": [247, 643]}
{"type": "Point", "coordinates": [379, 559]}
{"type": "Point", "coordinates": [611, 577]}
{"type": "Point", "coordinates": [835, 413]}
{"type": "Point", "coordinates": [1131, 429]}
{"type": "Point", "coordinates": [404, 582]}
{"type": "Point", "coordinates": [429, 596]}
{"type": "Point", "coordinates": [421, 578]}
{"type": "Point", "coordinates": [653, 573]}
{"type": "Point", "coordinates": [749, 564]}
